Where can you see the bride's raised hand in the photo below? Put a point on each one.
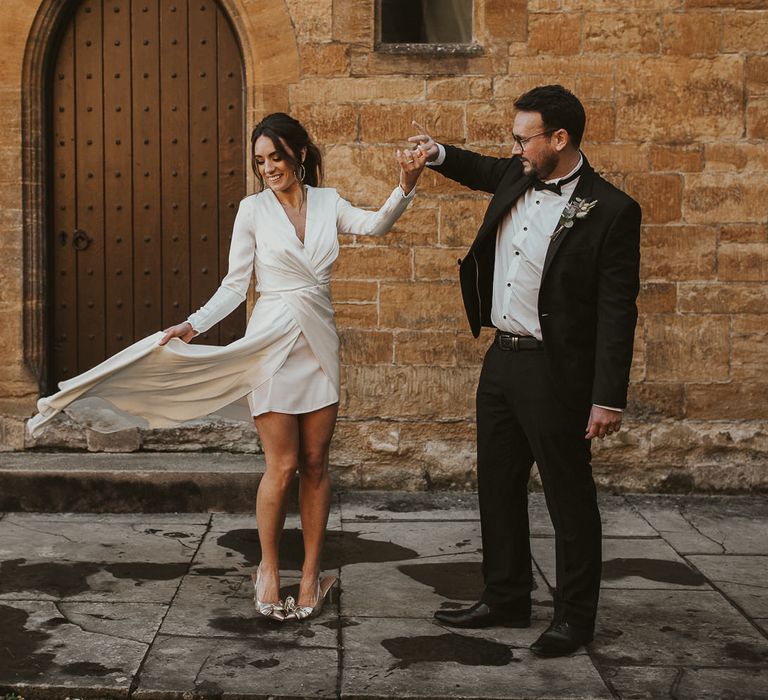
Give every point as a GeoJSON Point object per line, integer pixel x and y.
{"type": "Point", "coordinates": [412, 162]}
{"type": "Point", "coordinates": [181, 330]}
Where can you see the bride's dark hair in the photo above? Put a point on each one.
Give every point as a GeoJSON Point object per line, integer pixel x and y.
{"type": "Point", "coordinates": [285, 130]}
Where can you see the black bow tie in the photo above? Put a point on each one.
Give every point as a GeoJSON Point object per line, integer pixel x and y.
{"type": "Point", "coordinates": [555, 187]}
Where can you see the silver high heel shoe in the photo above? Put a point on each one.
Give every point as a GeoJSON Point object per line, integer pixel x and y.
{"type": "Point", "coordinates": [272, 611]}
{"type": "Point", "coordinates": [303, 612]}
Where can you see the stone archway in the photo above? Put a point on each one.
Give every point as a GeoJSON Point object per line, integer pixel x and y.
{"type": "Point", "coordinates": [270, 59]}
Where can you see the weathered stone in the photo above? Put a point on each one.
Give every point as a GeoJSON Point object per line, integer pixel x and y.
{"type": "Point", "coordinates": [757, 75]}
{"type": "Point", "coordinates": [736, 401]}
{"type": "Point", "coordinates": [743, 261]}
{"type": "Point", "coordinates": [657, 297]}
{"type": "Point", "coordinates": [744, 233]}
{"type": "Point", "coordinates": [382, 391]}
{"type": "Point", "coordinates": [393, 124]}
{"type": "Point", "coordinates": [622, 158]}
{"type": "Point", "coordinates": [554, 33]}
{"type": "Point", "coordinates": [420, 305]}
{"type": "Point", "coordinates": [312, 21]}
{"type": "Point", "coordinates": [437, 263]}
{"type": "Point", "coordinates": [678, 252]}
{"type": "Point", "coordinates": [691, 34]}
{"type": "Point", "coordinates": [738, 577]}
{"type": "Point", "coordinates": [459, 89]}
{"type": "Point", "coordinates": [749, 347]}
{"type": "Point", "coordinates": [210, 433]}
{"type": "Point", "coordinates": [339, 90]}
{"type": "Point", "coordinates": [328, 124]}
{"type": "Point", "coordinates": [369, 263]}
{"type": "Point", "coordinates": [351, 290]}
{"type": "Point", "coordinates": [460, 220]}
{"type": "Point", "coordinates": [356, 314]}
{"type": "Point", "coordinates": [324, 59]}
{"type": "Point", "coordinates": [721, 298]}
{"type": "Point", "coordinates": [735, 157]}
{"type": "Point", "coordinates": [677, 159]}
{"type": "Point", "coordinates": [687, 348]}
{"type": "Point", "coordinates": [119, 441]}
{"type": "Point", "coordinates": [360, 347]}
{"type": "Point", "coordinates": [757, 118]}
{"type": "Point", "coordinates": [621, 33]}
{"type": "Point", "coordinates": [353, 22]}
{"type": "Point", "coordinates": [745, 31]}
{"type": "Point", "coordinates": [720, 197]}
{"type": "Point", "coordinates": [506, 19]}
{"type": "Point", "coordinates": [704, 95]}
{"type": "Point", "coordinates": [648, 400]}
{"type": "Point", "coordinates": [660, 196]}
{"type": "Point", "coordinates": [425, 348]}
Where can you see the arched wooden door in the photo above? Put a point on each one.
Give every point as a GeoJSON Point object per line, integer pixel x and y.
{"type": "Point", "coordinates": [147, 170]}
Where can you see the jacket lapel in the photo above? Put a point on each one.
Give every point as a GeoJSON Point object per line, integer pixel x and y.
{"type": "Point", "coordinates": [583, 190]}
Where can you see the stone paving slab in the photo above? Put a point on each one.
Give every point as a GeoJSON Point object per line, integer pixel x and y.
{"type": "Point", "coordinates": [160, 606]}
{"type": "Point", "coordinates": [391, 658]}
{"type": "Point", "coordinates": [629, 563]}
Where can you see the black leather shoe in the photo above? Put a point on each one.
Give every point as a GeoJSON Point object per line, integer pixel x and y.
{"type": "Point", "coordinates": [560, 639]}
{"type": "Point", "coordinates": [481, 615]}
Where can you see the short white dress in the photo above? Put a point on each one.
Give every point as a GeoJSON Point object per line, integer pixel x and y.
{"type": "Point", "coordinates": [288, 359]}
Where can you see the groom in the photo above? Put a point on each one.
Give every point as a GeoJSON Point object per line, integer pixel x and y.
{"type": "Point", "coordinates": [555, 269]}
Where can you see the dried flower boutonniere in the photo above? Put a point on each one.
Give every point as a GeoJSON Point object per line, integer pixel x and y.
{"type": "Point", "coordinates": [579, 208]}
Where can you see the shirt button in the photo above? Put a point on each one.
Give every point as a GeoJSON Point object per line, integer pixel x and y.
{"type": "Point", "coordinates": [509, 284]}
{"type": "Point", "coordinates": [538, 202]}
{"type": "Point", "coordinates": [505, 315]}
{"type": "Point", "coordinates": [517, 252]}
{"type": "Point", "coordinates": [525, 228]}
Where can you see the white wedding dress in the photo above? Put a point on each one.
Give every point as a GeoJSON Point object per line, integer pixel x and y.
{"type": "Point", "coordinates": [288, 360]}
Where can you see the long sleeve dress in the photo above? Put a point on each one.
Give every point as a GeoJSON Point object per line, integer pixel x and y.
{"type": "Point", "coordinates": [288, 359]}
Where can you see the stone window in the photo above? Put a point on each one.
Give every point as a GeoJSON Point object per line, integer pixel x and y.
{"type": "Point", "coordinates": [425, 26]}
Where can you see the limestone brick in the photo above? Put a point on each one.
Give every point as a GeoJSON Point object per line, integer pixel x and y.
{"type": "Point", "coordinates": [393, 123]}
{"type": "Point", "coordinates": [757, 118]}
{"type": "Point", "coordinates": [725, 197]}
{"type": "Point", "coordinates": [618, 157]}
{"type": "Point", "coordinates": [470, 351]}
{"type": "Point", "coordinates": [351, 290]}
{"type": "Point", "coordinates": [366, 347]}
{"type": "Point", "coordinates": [421, 305]}
{"type": "Point", "coordinates": [691, 34]}
{"type": "Point", "coordinates": [679, 99]}
{"type": "Point", "coordinates": [437, 263]}
{"type": "Point", "coordinates": [425, 348]}
{"type": "Point", "coordinates": [721, 298]}
{"type": "Point", "coordinates": [724, 4]}
{"type": "Point", "coordinates": [744, 233]}
{"type": "Point", "coordinates": [749, 347]}
{"type": "Point", "coordinates": [324, 59]}
{"type": "Point", "coordinates": [733, 401]}
{"type": "Point", "coordinates": [370, 263]}
{"type": "Point", "coordinates": [677, 159]}
{"type": "Point", "coordinates": [743, 261]}
{"type": "Point", "coordinates": [657, 297]}
{"type": "Point", "coordinates": [648, 400]}
{"type": "Point", "coordinates": [490, 122]}
{"type": "Point", "coordinates": [459, 89]}
{"type": "Point", "coordinates": [365, 175]}
{"type": "Point", "coordinates": [687, 348]}
{"type": "Point", "coordinates": [506, 19]}
{"type": "Point", "coordinates": [353, 21]}
{"type": "Point", "coordinates": [757, 75]}
{"type": "Point", "coordinates": [738, 157]}
{"type": "Point", "coordinates": [745, 31]}
{"type": "Point", "coordinates": [328, 124]}
{"type": "Point", "coordinates": [622, 5]}
{"type": "Point", "coordinates": [554, 33]}
{"type": "Point", "coordinates": [383, 391]}
{"type": "Point", "coordinates": [375, 63]}
{"type": "Point", "coordinates": [622, 32]}
{"type": "Point", "coordinates": [356, 315]}
{"type": "Point", "coordinates": [678, 252]}
{"type": "Point", "coordinates": [595, 87]}
{"type": "Point", "coordinates": [459, 221]}
{"type": "Point", "coordinates": [601, 122]}
{"type": "Point", "coordinates": [660, 196]}
{"type": "Point", "coordinates": [312, 21]}
{"type": "Point", "coordinates": [336, 90]}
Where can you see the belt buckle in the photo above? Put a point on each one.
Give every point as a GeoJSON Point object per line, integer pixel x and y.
{"type": "Point", "coordinates": [508, 341]}
{"type": "Point", "coordinates": [515, 343]}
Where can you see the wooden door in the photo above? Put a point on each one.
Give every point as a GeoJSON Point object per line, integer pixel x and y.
{"type": "Point", "coordinates": [148, 156]}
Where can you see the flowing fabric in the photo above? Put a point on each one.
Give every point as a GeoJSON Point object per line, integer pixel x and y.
{"type": "Point", "coordinates": [153, 386]}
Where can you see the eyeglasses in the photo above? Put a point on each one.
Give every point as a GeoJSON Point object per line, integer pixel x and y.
{"type": "Point", "coordinates": [521, 141]}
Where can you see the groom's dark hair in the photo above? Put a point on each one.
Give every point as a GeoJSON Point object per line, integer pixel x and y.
{"type": "Point", "coordinates": [559, 109]}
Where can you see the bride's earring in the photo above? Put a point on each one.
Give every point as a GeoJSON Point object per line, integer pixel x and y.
{"type": "Point", "coordinates": [302, 172]}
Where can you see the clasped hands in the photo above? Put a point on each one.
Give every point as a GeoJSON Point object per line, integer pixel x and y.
{"type": "Point", "coordinates": [413, 160]}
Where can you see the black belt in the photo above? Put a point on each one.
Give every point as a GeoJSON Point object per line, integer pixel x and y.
{"type": "Point", "coordinates": [516, 343]}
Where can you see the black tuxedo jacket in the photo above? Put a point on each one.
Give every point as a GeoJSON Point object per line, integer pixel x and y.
{"type": "Point", "coordinates": [590, 280]}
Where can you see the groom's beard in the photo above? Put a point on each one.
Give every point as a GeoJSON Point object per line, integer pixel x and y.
{"type": "Point", "coordinates": [542, 166]}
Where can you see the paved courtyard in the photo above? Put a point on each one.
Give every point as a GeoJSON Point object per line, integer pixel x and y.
{"type": "Point", "coordinates": [160, 606]}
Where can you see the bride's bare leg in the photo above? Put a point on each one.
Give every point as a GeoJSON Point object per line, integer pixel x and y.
{"type": "Point", "coordinates": [279, 433]}
{"type": "Point", "coordinates": [315, 433]}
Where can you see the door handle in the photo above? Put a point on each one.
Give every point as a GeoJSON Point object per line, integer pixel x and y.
{"type": "Point", "coordinates": [81, 240]}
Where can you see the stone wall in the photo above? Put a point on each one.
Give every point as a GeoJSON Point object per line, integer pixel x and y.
{"type": "Point", "coordinates": [676, 93]}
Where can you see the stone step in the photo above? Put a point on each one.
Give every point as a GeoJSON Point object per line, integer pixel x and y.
{"type": "Point", "coordinates": [138, 482]}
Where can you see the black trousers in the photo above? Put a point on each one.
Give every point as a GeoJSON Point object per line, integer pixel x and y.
{"type": "Point", "coordinates": [521, 419]}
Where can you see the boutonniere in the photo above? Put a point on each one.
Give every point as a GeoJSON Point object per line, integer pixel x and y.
{"type": "Point", "coordinates": [579, 208]}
